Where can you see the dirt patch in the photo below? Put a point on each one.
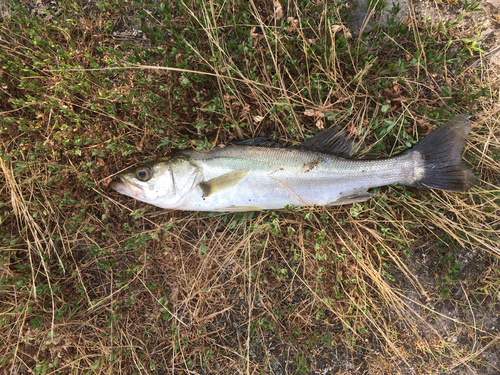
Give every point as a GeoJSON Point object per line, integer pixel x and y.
{"type": "Point", "coordinates": [454, 306]}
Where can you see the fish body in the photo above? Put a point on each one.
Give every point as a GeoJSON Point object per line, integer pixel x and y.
{"type": "Point", "coordinates": [254, 175]}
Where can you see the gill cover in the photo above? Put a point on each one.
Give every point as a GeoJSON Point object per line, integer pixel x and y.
{"type": "Point", "coordinates": [165, 182]}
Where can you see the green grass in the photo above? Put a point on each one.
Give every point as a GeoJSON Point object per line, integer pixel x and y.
{"type": "Point", "coordinates": [92, 281]}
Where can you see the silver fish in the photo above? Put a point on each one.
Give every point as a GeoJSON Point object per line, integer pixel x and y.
{"type": "Point", "coordinates": [256, 175]}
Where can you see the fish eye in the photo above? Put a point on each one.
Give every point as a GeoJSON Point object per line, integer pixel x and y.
{"type": "Point", "coordinates": [144, 173]}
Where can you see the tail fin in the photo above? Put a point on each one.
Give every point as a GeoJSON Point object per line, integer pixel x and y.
{"type": "Point", "coordinates": [440, 157]}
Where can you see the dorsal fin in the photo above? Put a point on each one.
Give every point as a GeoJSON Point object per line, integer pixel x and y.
{"type": "Point", "coordinates": [260, 141]}
{"type": "Point", "coordinates": [332, 141]}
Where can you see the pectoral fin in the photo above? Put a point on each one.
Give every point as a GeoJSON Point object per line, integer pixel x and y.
{"type": "Point", "coordinates": [353, 198]}
{"type": "Point", "coordinates": [222, 182]}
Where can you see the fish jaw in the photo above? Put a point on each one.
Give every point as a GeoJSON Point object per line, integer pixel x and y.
{"type": "Point", "coordinates": [125, 187]}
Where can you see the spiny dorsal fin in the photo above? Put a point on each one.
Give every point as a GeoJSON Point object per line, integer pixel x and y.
{"type": "Point", "coordinates": [225, 181]}
{"type": "Point", "coordinates": [332, 141]}
{"type": "Point", "coordinates": [260, 141]}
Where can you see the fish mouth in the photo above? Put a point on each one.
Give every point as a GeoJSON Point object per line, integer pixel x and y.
{"type": "Point", "coordinates": [126, 187]}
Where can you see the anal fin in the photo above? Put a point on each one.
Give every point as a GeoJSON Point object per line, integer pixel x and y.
{"type": "Point", "coordinates": [239, 209]}
{"type": "Point", "coordinates": [360, 196]}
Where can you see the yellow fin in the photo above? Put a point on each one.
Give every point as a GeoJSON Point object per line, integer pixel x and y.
{"type": "Point", "coordinates": [225, 181]}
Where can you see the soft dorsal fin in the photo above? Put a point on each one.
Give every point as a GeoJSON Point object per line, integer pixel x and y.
{"type": "Point", "coordinates": [332, 141]}
{"type": "Point", "coordinates": [260, 141]}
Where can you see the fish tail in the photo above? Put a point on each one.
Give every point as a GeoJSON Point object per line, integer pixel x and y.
{"type": "Point", "coordinates": [438, 158]}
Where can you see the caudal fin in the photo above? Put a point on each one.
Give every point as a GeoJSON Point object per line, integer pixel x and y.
{"type": "Point", "coordinates": [441, 157]}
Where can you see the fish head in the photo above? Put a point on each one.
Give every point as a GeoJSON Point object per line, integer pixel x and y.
{"type": "Point", "coordinates": [163, 182]}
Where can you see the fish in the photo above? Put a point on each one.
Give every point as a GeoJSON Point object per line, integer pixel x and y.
{"type": "Point", "coordinates": [259, 174]}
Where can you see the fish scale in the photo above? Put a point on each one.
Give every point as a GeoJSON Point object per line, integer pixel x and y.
{"type": "Point", "coordinates": [294, 176]}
